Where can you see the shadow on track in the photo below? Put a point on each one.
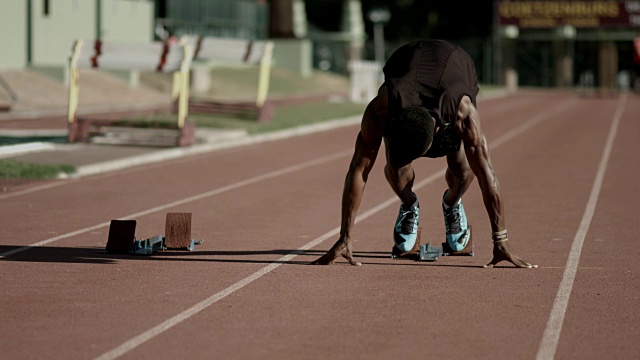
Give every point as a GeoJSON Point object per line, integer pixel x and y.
{"type": "Point", "coordinates": [92, 255]}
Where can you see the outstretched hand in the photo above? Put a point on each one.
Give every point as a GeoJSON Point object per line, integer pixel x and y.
{"type": "Point", "coordinates": [342, 248]}
{"type": "Point", "coordinates": [502, 252]}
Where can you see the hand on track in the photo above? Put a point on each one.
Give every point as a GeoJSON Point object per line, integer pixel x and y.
{"type": "Point", "coordinates": [501, 252]}
{"type": "Point", "coordinates": [340, 248]}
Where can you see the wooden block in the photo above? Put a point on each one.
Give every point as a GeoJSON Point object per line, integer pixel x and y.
{"type": "Point", "coordinates": [178, 231]}
{"type": "Point", "coordinates": [122, 234]}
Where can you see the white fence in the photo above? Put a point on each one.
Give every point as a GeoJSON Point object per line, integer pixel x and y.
{"type": "Point", "coordinates": [366, 78]}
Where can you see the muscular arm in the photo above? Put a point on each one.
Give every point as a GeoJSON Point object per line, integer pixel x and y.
{"type": "Point", "coordinates": [364, 156]}
{"type": "Point", "coordinates": [366, 151]}
{"type": "Point", "coordinates": [477, 152]}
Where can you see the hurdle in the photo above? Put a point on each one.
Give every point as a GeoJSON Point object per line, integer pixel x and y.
{"type": "Point", "coordinates": [153, 56]}
{"type": "Point", "coordinates": [235, 52]}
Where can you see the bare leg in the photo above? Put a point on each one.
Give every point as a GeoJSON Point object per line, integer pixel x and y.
{"type": "Point", "coordinates": [400, 176]}
{"type": "Point", "coordinates": [401, 181]}
{"type": "Point", "coordinates": [459, 176]}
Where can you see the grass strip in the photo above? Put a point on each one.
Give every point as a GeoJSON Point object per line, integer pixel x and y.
{"type": "Point", "coordinates": [10, 169]}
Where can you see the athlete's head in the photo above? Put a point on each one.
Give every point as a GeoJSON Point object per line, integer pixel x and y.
{"type": "Point", "coordinates": [410, 133]}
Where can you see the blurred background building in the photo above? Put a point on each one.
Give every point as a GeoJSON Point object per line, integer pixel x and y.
{"type": "Point", "coordinates": [41, 32]}
{"type": "Point", "coordinates": [547, 43]}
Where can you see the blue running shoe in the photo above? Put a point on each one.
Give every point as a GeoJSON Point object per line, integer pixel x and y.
{"type": "Point", "coordinates": [455, 220]}
{"type": "Point", "coordinates": [405, 232]}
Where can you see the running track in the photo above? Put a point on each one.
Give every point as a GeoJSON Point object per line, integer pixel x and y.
{"type": "Point", "coordinates": [569, 172]}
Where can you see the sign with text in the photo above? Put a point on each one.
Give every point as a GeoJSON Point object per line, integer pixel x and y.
{"type": "Point", "coordinates": [580, 14]}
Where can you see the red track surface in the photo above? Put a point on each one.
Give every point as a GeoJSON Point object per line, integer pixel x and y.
{"type": "Point", "coordinates": [237, 297]}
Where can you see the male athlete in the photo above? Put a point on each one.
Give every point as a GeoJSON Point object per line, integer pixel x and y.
{"type": "Point", "coordinates": [425, 108]}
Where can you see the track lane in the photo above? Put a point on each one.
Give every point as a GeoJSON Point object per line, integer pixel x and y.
{"type": "Point", "coordinates": [144, 336]}
{"type": "Point", "coordinates": [602, 318]}
{"type": "Point", "coordinates": [320, 303]}
{"type": "Point", "coordinates": [216, 261]}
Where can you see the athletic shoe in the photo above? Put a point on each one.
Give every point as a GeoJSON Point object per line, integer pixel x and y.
{"type": "Point", "coordinates": [405, 232]}
{"type": "Point", "coordinates": [455, 221]}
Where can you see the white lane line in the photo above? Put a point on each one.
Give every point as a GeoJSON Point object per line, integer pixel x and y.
{"type": "Point", "coordinates": [551, 336]}
{"type": "Point", "coordinates": [201, 196]}
{"type": "Point", "coordinates": [175, 320]}
{"type": "Point", "coordinates": [531, 123]}
{"type": "Point", "coordinates": [37, 188]}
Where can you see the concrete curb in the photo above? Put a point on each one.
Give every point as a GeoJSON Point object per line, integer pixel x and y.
{"type": "Point", "coordinates": [20, 149]}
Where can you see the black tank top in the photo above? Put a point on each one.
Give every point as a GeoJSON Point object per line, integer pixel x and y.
{"type": "Point", "coordinates": [434, 74]}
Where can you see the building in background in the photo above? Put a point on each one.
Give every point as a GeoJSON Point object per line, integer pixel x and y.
{"type": "Point", "coordinates": [559, 43]}
{"type": "Point", "coordinates": [247, 19]}
{"type": "Point", "coordinates": [552, 43]}
{"type": "Point", "coordinates": [282, 21]}
{"type": "Point", "coordinates": [41, 32]}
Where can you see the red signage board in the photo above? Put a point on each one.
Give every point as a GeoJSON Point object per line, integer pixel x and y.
{"type": "Point", "coordinates": [580, 14]}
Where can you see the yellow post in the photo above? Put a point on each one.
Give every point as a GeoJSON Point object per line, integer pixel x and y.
{"type": "Point", "coordinates": [265, 72]}
{"type": "Point", "coordinates": [175, 86]}
{"type": "Point", "coordinates": [74, 78]}
{"type": "Point", "coordinates": [183, 92]}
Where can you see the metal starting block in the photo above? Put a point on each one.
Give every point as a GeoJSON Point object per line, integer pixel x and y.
{"type": "Point", "coordinates": [151, 245]}
{"type": "Point", "coordinates": [122, 237]}
{"type": "Point", "coordinates": [148, 246]}
{"type": "Point", "coordinates": [429, 253]}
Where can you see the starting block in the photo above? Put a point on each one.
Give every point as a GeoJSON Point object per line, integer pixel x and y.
{"type": "Point", "coordinates": [122, 237]}
{"type": "Point", "coordinates": [122, 234]}
{"type": "Point", "coordinates": [148, 246]}
{"type": "Point", "coordinates": [411, 254]}
{"type": "Point", "coordinates": [178, 232]}
{"type": "Point", "coordinates": [430, 252]}
{"type": "Point", "coordinates": [467, 251]}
